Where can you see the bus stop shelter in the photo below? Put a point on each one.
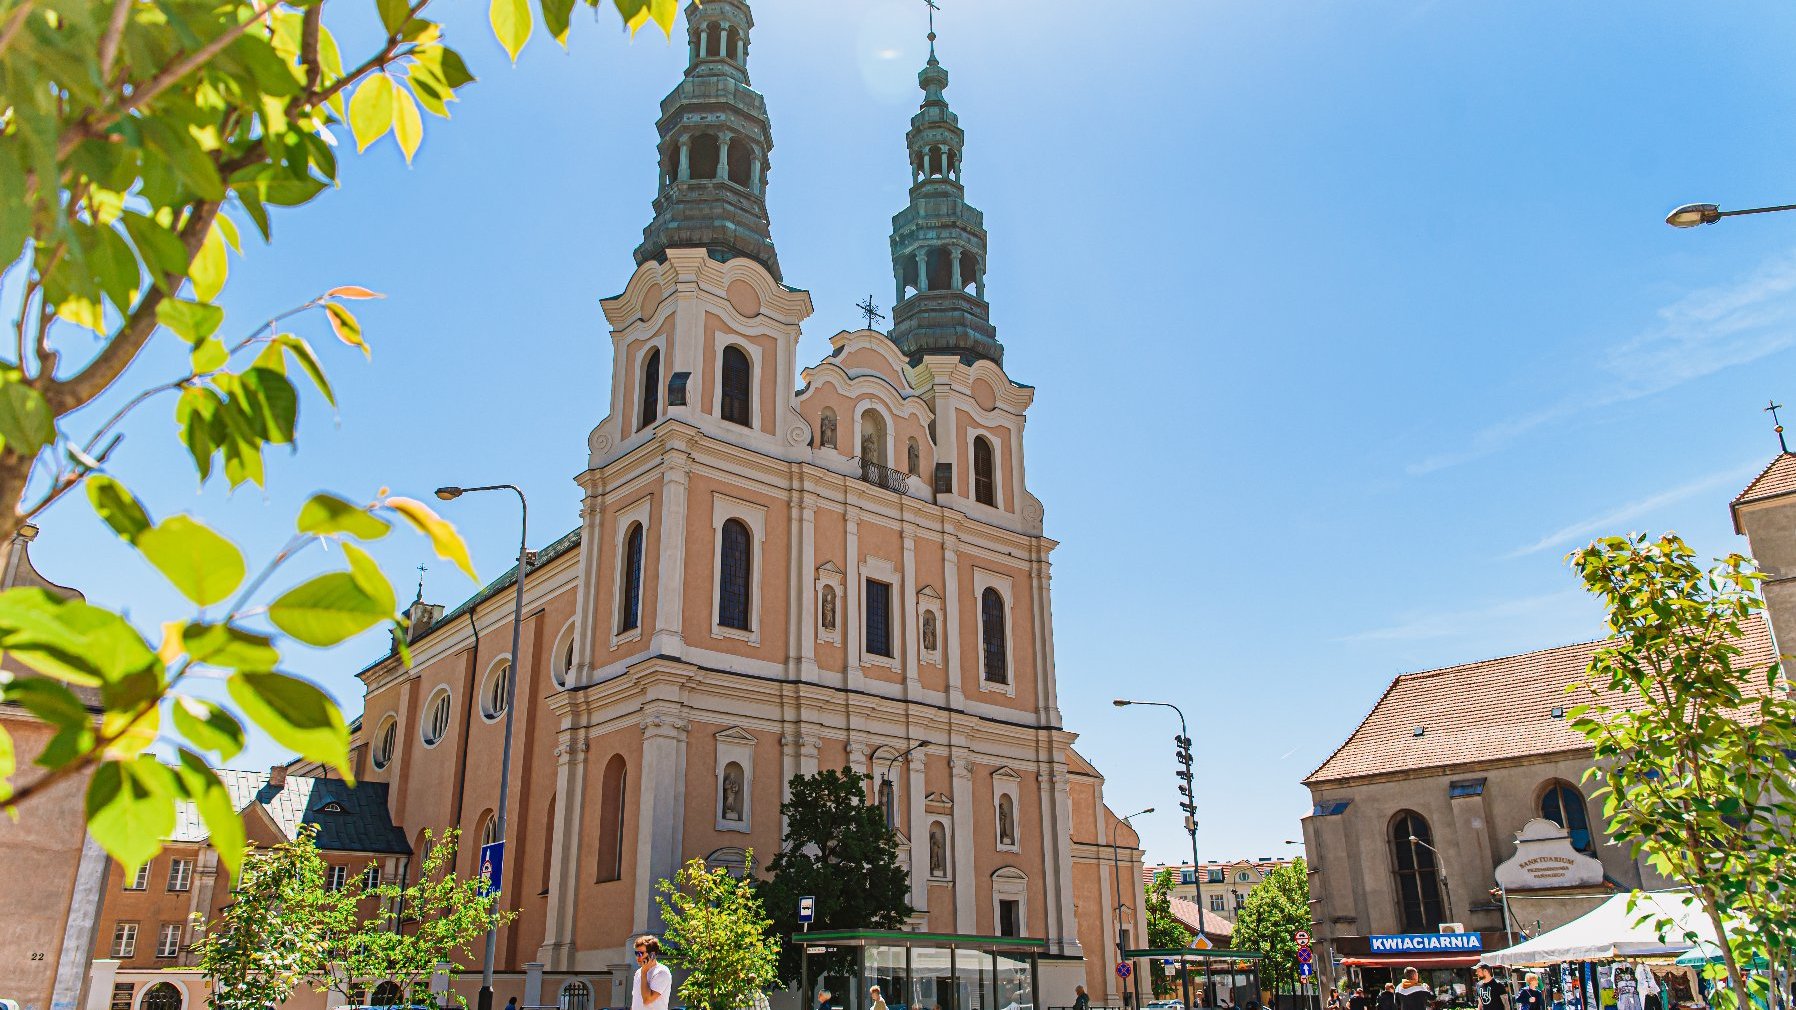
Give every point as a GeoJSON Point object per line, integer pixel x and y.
{"type": "Point", "coordinates": [919, 971]}
{"type": "Point", "coordinates": [1228, 978]}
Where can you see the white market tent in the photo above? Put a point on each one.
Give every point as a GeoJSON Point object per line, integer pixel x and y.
{"type": "Point", "coordinates": [1612, 931]}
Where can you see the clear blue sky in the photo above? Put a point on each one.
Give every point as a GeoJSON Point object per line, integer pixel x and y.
{"type": "Point", "coordinates": [1347, 321]}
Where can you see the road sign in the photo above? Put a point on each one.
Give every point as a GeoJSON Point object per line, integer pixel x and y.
{"type": "Point", "coordinates": [1304, 956]}
{"type": "Point", "coordinates": [492, 866]}
{"type": "Point", "coordinates": [1305, 969]}
{"type": "Point", "coordinates": [1302, 938]}
{"type": "Point", "coordinates": [1123, 970]}
{"type": "Point", "coordinates": [807, 909]}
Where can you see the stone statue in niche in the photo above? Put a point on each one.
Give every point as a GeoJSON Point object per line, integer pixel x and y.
{"type": "Point", "coordinates": [928, 631]}
{"type": "Point", "coordinates": [869, 448]}
{"type": "Point", "coordinates": [829, 608]}
{"type": "Point", "coordinates": [938, 850]}
{"type": "Point", "coordinates": [1006, 821]}
{"type": "Point", "coordinates": [828, 435]}
{"type": "Point", "coordinates": [732, 792]}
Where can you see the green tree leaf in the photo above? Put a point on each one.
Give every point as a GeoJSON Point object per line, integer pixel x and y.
{"type": "Point", "coordinates": [204, 566]}
{"type": "Point", "coordinates": [371, 110]}
{"type": "Point", "coordinates": [229, 647]}
{"type": "Point", "coordinates": [327, 609]}
{"type": "Point", "coordinates": [308, 360]}
{"type": "Point", "coordinates": [408, 127]}
{"type": "Point", "coordinates": [57, 706]}
{"type": "Point", "coordinates": [343, 323]}
{"type": "Point", "coordinates": [114, 503]}
{"type": "Point", "coordinates": [131, 808]}
{"type": "Point", "coordinates": [555, 18]}
{"type": "Point", "coordinates": [448, 543]}
{"type": "Point", "coordinates": [511, 24]}
{"type": "Point", "coordinates": [328, 515]}
{"type": "Point", "coordinates": [69, 639]}
{"type": "Point", "coordinates": [208, 726]}
{"type": "Point", "coordinates": [369, 577]}
{"type": "Point", "coordinates": [25, 420]}
{"type": "Point", "coordinates": [9, 765]}
{"type": "Point", "coordinates": [224, 826]}
{"type": "Point", "coordinates": [270, 404]}
{"type": "Point", "coordinates": [191, 321]}
{"type": "Point", "coordinates": [209, 355]}
{"type": "Point", "coordinates": [210, 267]}
{"type": "Point", "coordinates": [296, 714]}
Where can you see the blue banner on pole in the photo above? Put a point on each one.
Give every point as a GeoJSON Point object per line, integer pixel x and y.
{"type": "Point", "coordinates": [492, 866]}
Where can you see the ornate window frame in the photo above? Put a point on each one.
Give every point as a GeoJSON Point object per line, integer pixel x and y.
{"type": "Point", "coordinates": [430, 703]}
{"type": "Point", "coordinates": [735, 745]}
{"type": "Point", "coordinates": [638, 512]}
{"type": "Point", "coordinates": [880, 570]}
{"type": "Point", "coordinates": [723, 509]}
{"type": "Point", "coordinates": [1006, 783]}
{"type": "Point", "coordinates": [983, 580]}
{"type": "Point", "coordinates": [930, 602]}
{"type": "Point", "coordinates": [1010, 884]}
{"type": "Point", "coordinates": [756, 370]}
{"type": "Point", "coordinates": [493, 715]}
{"type": "Point", "coordinates": [831, 576]}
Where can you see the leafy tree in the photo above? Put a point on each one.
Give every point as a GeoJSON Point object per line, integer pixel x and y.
{"type": "Point", "coordinates": [718, 930]}
{"type": "Point", "coordinates": [274, 935]}
{"type": "Point", "coordinates": [138, 140]}
{"type": "Point", "coordinates": [839, 850]}
{"type": "Point", "coordinates": [408, 929]}
{"type": "Point", "coordinates": [1693, 744]}
{"type": "Point", "coordinates": [1164, 930]}
{"type": "Point", "coordinates": [1269, 920]}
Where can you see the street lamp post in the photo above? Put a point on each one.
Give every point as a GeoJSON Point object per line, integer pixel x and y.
{"type": "Point", "coordinates": [1440, 865]}
{"type": "Point", "coordinates": [511, 694]}
{"type": "Point", "coordinates": [1692, 215]}
{"type": "Point", "coordinates": [886, 789]}
{"type": "Point", "coordinates": [1116, 885]}
{"type": "Point", "coordinates": [1189, 804]}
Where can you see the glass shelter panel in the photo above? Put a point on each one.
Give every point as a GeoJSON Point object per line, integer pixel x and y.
{"type": "Point", "coordinates": [1015, 981]}
{"type": "Point", "coordinates": [888, 968]}
{"type": "Point", "coordinates": [974, 974]}
{"type": "Point", "coordinates": [932, 977]}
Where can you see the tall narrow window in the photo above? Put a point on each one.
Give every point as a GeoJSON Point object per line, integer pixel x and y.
{"type": "Point", "coordinates": [879, 618]}
{"type": "Point", "coordinates": [1418, 875]}
{"type": "Point", "coordinates": [737, 387]}
{"type": "Point", "coordinates": [651, 390]}
{"type": "Point", "coordinates": [629, 608]}
{"type": "Point", "coordinates": [180, 875]}
{"type": "Point", "coordinates": [733, 572]}
{"type": "Point", "coordinates": [498, 692]}
{"type": "Point", "coordinates": [385, 742]}
{"type": "Point", "coordinates": [1564, 805]}
{"type": "Point", "coordinates": [991, 632]}
{"type": "Point", "coordinates": [611, 820]}
{"type": "Point", "coordinates": [124, 940]}
{"type": "Point", "coordinates": [141, 882]}
{"type": "Point", "coordinates": [1009, 916]}
{"type": "Point", "coordinates": [984, 491]}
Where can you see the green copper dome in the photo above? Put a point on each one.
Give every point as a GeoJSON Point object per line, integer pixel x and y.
{"type": "Point", "coordinates": [715, 143]}
{"type": "Point", "coordinates": [938, 242]}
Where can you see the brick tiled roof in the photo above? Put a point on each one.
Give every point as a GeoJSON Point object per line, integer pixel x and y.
{"type": "Point", "coordinates": [1215, 926]}
{"type": "Point", "coordinates": [1776, 480]}
{"type": "Point", "coordinates": [1494, 710]}
{"type": "Point", "coordinates": [348, 819]}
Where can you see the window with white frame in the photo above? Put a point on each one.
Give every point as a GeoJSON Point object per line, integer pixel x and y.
{"type": "Point", "coordinates": [335, 877]}
{"type": "Point", "coordinates": [436, 717]}
{"type": "Point", "coordinates": [371, 876]}
{"type": "Point", "coordinates": [180, 874]}
{"type": "Point", "coordinates": [878, 605]}
{"type": "Point", "coordinates": [386, 741]}
{"type": "Point", "coordinates": [740, 529]}
{"type": "Point", "coordinates": [168, 941]}
{"type": "Point", "coordinates": [992, 596]}
{"type": "Point", "coordinates": [496, 696]}
{"type": "Point", "coordinates": [124, 940]}
{"type": "Point", "coordinates": [140, 881]}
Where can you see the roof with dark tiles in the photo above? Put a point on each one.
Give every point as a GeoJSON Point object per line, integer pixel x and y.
{"type": "Point", "coordinates": [349, 819]}
{"type": "Point", "coordinates": [1478, 713]}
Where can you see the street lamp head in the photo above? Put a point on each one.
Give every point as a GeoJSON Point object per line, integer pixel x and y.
{"type": "Point", "coordinates": [448, 493]}
{"type": "Point", "coordinates": [1413, 840]}
{"type": "Point", "coordinates": [1691, 215]}
{"type": "Point", "coordinates": [1122, 703]}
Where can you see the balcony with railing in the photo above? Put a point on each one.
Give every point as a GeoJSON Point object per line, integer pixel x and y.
{"type": "Point", "coordinates": [880, 475]}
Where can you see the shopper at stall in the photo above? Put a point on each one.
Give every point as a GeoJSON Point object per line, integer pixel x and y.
{"type": "Point", "coordinates": [1530, 996]}
{"type": "Point", "coordinates": [1492, 995]}
{"type": "Point", "coordinates": [1414, 993]}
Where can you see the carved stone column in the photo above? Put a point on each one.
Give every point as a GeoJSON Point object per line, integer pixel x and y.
{"type": "Point", "coordinates": [951, 622]}
{"type": "Point", "coordinates": [852, 614]}
{"type": "Point", "coordinates": [966, 873]}
{"type": "Point", "coordinates": [1057, 859]}
{"type": "Point", "coordinates": [916, 822]}
{"type": "Point", "coordinates": [565, 853]}
{"type": "Point", "coordinates": [662, 811]}
{"type": "Point", "coordinates": [670, 583]}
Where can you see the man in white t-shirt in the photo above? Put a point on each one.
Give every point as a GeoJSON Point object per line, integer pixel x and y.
{"type": "Point", "coordinates": [653, 987]}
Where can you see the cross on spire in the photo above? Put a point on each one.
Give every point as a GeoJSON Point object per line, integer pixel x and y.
{"type": "Point", "coordinates": [933, 7]}
{"type": "Point", "coordinates": [421, 571]}
{"type": "Point", "coordinates": [1772, 407]}
{"type": "Point", "coordinates": [870, 310]}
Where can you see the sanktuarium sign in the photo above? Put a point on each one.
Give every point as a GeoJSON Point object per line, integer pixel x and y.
{"type": "Point", "coordinates": [1425, 943]}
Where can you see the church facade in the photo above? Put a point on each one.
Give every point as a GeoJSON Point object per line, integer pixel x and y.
{"type": "Point", "coordinates": [779, 568]}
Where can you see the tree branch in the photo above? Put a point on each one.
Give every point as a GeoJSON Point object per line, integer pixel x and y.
{"type": "Point", "coordinates": [115, 30]}
{"type": "Point", "coordinates": [15, 24]}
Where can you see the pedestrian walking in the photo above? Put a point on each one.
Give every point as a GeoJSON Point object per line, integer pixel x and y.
{"type": "Point", "coordinates": [1359, 1000]}
{"type": "Point", "coordinates": [1387, 997]}
{"type": "Point", "coordinates": [1081, 1001]}
{"type": "Point", "coordinates": [876, 1001]}
{"type": "Point", "coordinates": [1414, 993]}
{"type": "Point", "coordinates": [1530, 997]}
{"type": "Point", "coordinates": [653, 989]}
{"type": "Point", "coordinates": [1491, 993]}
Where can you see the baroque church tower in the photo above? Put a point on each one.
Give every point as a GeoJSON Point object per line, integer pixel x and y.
{"type": "Point", "coordinates": [777, 570]}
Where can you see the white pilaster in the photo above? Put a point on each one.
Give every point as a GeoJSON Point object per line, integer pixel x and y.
{"type": "Point", "coordinates": [951, 622]}
{"type": "Point", "coordinates": [670, 585]}
{"type": "Point", "coordinates": [966, 870]}
{"type": "Point", "coordinates": [565, 855]}
{"type": "Point", "coordinates": [662, 811]}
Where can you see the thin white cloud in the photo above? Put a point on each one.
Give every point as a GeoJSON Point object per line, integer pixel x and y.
{"type": "Point", "coordinates": [1610, 522]}
{"type": "Point", "coordinates": [1418, 626]}
{"type": "Point", "coordinates": [1699, 334]}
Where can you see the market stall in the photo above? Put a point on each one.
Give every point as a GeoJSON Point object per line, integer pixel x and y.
{"type": "Point", "coordinates": [1622, 928]}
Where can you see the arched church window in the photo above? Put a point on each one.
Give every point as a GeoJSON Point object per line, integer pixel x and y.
{"type": "Point", "coordinates": [984, 487]}
{"type": "Point", "coordinates": [576, 995]}
{"type": "Point", "coordinates": [162, 996]}
{"type": "Point", "coordinates": [991, 632]}
{"type": "Point", "coordinates": [703, 157]}
{"type": "Point", "coordinates": [629, 611]}
{"type": "Point", "coordinates": [611, 820]}
{"type": "Point", "coordinates": [734, 570]}
{"type": "Point", "coordinates": [1564, 805]}
{"type": "Point", "coordinates": [651, 390]}
{"type": "Point", "coordinates": [1418, 875]}
{"type": "Point", "coordinates": [741, 161]}
{"type": "Point", "coordinates": [737, 387]}
{"type": "Point", "coordinates": [733, 47]}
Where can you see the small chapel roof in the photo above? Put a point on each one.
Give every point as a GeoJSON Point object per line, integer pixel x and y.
{"type": "Point", "coordinates": [1775, 481]}
{"type": "Point", "coordinates": [348, 818]}
{"type": "Point", "coordinates": [1478, 713]}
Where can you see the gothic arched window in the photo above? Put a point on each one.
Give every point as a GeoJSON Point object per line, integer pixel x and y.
{"type": "Point", "coordinates": [991, 633]}
{"type": "Point", "coordinates": [611, 820]}
{"type": "Point", "coordinates": [733, 571]}
{"type": "Point", "coordinates": [651, 390]}
{"type": "Point", "coordinates": [1417, 873]}
{"type": "Point", "coordinates": [1564, 805]}
{"type": "Point", "coordinates": [737, 387]}
{"type": "Point", "coordinates": [984, 489]}
{"type": "Point", "coordinates": [576, 995]}
{"type": "Point", "coordinates": [629, 610]}
{"type": "Point", "coordinates": [162, 996]}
